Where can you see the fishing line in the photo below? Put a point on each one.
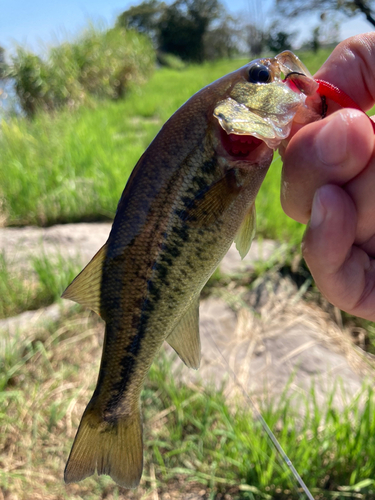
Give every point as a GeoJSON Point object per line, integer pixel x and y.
{"type": "Point", "coordinates": [265, 426]}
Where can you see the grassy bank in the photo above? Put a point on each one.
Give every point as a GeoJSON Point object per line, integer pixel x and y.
{"type": "Point", "coordinates": [72, 166]}
{"type": "Point", "coordinates": [195, 439]}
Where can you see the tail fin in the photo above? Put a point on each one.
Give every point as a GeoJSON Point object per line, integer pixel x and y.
{"type": "Point", "coordinates": [114, 448]}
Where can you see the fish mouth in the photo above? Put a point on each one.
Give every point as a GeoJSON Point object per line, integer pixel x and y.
{"type": "Point", "coordinates": [239, 146]}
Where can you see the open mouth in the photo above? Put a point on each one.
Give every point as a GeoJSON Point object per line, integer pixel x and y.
{"type": "Point", "coordinates": [239, 146]}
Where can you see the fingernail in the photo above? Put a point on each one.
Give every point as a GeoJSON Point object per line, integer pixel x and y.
{"type": "Point", "coordinates": [331, 140]}
{"type": "Point", "coordinates": [318, 212]}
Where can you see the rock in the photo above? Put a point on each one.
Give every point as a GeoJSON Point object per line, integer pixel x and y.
{"type": "Point", "coordinates": [80, 241]}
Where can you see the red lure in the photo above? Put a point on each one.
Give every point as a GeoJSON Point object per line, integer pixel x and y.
{"type": "Point", "coordinates": [337, 95]}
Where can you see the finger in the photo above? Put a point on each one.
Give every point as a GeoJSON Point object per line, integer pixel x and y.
{"type": "Point", "coordinates": [331, 151]}
{"type": "Point", "coordinates": [361, 189]}
{"type": "Point", "coordinates": [344, 273]}
{"type": "Point", "coordinates": [351, 68]}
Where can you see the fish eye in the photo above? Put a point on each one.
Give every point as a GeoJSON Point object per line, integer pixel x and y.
{"type": "Point", "coordinates": [258, 73]}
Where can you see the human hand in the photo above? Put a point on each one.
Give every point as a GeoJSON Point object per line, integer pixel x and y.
{"type": "Point", "coordinates": [329, 180]}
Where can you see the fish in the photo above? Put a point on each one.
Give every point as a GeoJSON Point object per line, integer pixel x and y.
{"type": "Point", "coordinates": [190, 195]}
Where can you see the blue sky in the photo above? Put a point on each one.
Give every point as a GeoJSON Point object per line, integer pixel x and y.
{"type": "Point", "coordinates": [39, 23]}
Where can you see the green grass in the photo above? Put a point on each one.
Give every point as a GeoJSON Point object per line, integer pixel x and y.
{"type": "Point", "coordinates": [195, 439]}
{"type": "Point", "coordinates": [73, 165]}
{"type": "Point", "coordinates": [24, 290]}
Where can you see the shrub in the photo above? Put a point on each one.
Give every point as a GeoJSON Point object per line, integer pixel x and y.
{"type": "Point", "coordinates": [100, 63]}
{"type": "Point", "coordinates": [28, 72]}
{"type": "Point", "coordinates": [110, 61]}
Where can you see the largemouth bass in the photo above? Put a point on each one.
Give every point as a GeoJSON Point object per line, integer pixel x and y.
{"type": "Point", "coordinates": [190, 195]}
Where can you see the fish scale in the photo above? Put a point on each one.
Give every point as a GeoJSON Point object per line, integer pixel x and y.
{"type": "Point", "coordinates": [150, 294]}
{"type": "Point", "coordinates": [190, 195]}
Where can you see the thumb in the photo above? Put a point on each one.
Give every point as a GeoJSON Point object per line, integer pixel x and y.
{"type": "Point", "coordinates": [330, 151]}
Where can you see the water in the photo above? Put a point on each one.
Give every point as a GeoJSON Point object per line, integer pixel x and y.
{"type": "Point", "coordinates": [8, 100]}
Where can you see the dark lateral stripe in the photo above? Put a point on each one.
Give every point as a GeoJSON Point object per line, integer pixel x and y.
{"type": "Point", "coordinates": [161, 269]}
{"type": "Point", "coordinates": [178, 236]}
{"type": "Point", "coordinates": [128, 364]}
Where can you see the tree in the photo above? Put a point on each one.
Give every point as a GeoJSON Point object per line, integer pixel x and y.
{"type": "Point", "coordinates": [325, 34]}
{"type": "Point", "coordinates": [2, 62]}
{"type": "Point", "coordinates": [222, 40]}
{"type": "Point", "coordinates": [184, 25]}
{"type": "Point", "coordinates": [279, 40]}
{"type": "Point", "coordinates": [315, 42]}
{"type": "Point", "coordinates": [180, 28]}
{"type": "Point", "coordinates": [294, 8]}
{"type": "Point", "coordinates": [144, 18]}
{"type": "Point", "coordinates": [256, 39]}
{"type": "Point", "coordinates": [256, 27]}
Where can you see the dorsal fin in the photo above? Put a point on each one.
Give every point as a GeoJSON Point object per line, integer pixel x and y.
{"type": "Point", "coordinates": [185, 338]}
{"type": "Point", "coordinates": [85, 288]}
{"type": "Point", "coordinates": [246, 232]}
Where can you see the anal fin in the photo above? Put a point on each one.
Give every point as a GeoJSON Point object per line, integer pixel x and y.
{"type": "Point", "coordinates": [85, 288]}
{"type": "Point", "coordinates": [185, 338]}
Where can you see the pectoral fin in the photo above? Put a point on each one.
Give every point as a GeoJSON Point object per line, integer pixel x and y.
{"type": "Point", "coordinates": [246, 232]}
{"type": "Point", "coordinates": [85, 288]}
{"type": "Point", "coordinates": [185, 338]}
{"type": "Point", "coordinates": [213, 203]}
